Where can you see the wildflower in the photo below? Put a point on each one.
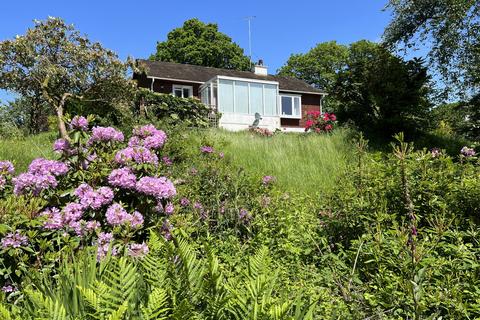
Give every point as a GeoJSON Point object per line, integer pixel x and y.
{"type": "Point", "coordinates": [6, 167]}
{"type": "Point", "coordinates": [54, 219]}
{"type": "Point", "coordinates": [8, 289]}
{"type": "Point", "coordinates": [105, 134]}
{"type": "Point", "coordinates": [167, 230]}
{"type": "Point", "coordinates": [138, 250]}
{"type": "Point", "coordinates": [122, 178]}
{"type": "Point", "coordinates": [117, 215]}
{"type": "Point", "coordinates": [160, 188]}
{"type": "Point", "coordinates": [61, 146]}
{"type": "Point", "coordinates": [167, 161]}
{"type": "Point", "coordinates": [79, 122]}
{"type": "Point", "coordinates": [184, 202]}
{"type": "Point", "coordinates": [435, 152]}
{"type": "Point", "coordinates": [169, 208]}
{"type": "Point", "coordinates": [206, 149]}
{"type": "Point", "coordinates": [266, 180]}
{"type": "Point", "coordinates": [244, 216]}
{"type": "Point", "coordinates": [468, 152]}
{"type": "Point", "coordinates": [136, 220]}
{"type": "Point", "coordinates": [14, 240]}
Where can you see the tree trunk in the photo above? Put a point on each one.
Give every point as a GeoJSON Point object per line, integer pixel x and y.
{"type": "Point", "coordinates": [62, 129]}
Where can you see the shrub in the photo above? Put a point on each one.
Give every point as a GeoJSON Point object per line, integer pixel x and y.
{"type": "Point", "coordinates": [171, 110]}
{"type": "Point", "coordinates": [316, 122]}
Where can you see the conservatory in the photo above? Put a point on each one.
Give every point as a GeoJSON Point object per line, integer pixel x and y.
{"type": "Point", "coordinates": [240, 100]}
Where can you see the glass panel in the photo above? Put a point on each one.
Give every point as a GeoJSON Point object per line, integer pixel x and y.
{"type": "Point", "coordinates": [241, 97]}
{"type": "Point", "coordinates": [225, 95]}
{"type": "Point", "coordinates": [204, 95]}
{"type": "Point", "coordinates": [296, 106]}
{"type": "Point", "coordinates": [178, 92]}
{"type": "Point", "coordinates": [186, 92]}
{"type": "Point", "coordinates": [287, 106]}
{"type": "Point", "coordinates": [256, 98]}
{"type": "Point", "coordinates": [270, 99]}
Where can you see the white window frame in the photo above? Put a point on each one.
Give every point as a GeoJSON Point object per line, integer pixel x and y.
{"type": "Point", "coordinates": [181, 87]}
{"type": "Point", "coordinates": [292, 96]}
{"type": "Point", "coordinates": [250, 81]}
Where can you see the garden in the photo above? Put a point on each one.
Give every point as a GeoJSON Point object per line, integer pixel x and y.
{"type": "Point", "coordinates": [117, 202]}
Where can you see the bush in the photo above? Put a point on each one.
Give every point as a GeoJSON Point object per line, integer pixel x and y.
{"type": "Point", "coordinates": [171, 110]}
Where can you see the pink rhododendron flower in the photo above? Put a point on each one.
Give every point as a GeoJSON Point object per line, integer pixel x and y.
{"type": "Point", "coordinates": [14, 240]}
{"type": "Point", "coordinates": [137, 250]}
{"type": "Point", "coordinates": [105, 134]}
{"type": "Point", "coordinates": [160, 188]}
{"type": "Point", "coordinates": [122, 178]}
{"type": "Point", "coordinates": [79, 122]}
{"type": "Point", "coordinates": [6, 167]}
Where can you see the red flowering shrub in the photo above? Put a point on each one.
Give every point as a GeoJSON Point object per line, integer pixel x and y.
{"type": "Point", "coordinates": [318, 122]}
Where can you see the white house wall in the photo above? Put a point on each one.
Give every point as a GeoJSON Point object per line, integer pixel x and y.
{"type": "Point", "coordinates": [238, 122]}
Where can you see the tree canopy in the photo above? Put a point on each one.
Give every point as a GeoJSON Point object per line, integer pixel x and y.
{"type": "Point", "coordinates": [201, 44]}
{"type": "Point", "coordinates": [53, 63]}
{"type": "Point", "coordinates": [381, 92]}
{"type": "Point", "coordinates": [451, 31]}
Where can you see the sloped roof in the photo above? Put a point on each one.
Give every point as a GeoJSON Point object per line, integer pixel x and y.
{"type": "Point", "coordinates": [193, 73]}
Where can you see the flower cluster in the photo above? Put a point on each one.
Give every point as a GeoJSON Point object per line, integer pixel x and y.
{"type": "Point", "coordinates": [94, 199]}
{"type": "Point", "coordinates": [468, 152]}
{"type": "Point", "coordinates": [160, 188]}
{"type": "Point", "coordinates": [137, 250]}
{"type": "Point", "coordinates": [318, 123]}
{"type": "Point", "coordinates": [62, 146]}
{"type": "Point", "coordinates": [41, 175]}
{"type": "Point", "coordinates": [116, 215]}
{"type": "Point", "coordinates": [104, 242]}
{"type": "Point", "coordinates": [138, 155]}
{"type": "Point", "coordinates": [206, 149]}
{"type": "Point", "coordinates": [6, 169]}
{"type": "Point", "coordinates": [122, 178]}
{"type": "Point", "coordinates": [148, 136]}
{"type": "Point", "coordinates": [79, 123]}
{"type": "Point", "coordinates": [14, 240]}
{"type": "Point", "coordinates": [266, 180]}
{"type": "Point", "coordinates": [105, 134]}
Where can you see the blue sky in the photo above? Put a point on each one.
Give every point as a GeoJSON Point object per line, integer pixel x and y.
{"type": "Point", "coordinates": [279, 29]}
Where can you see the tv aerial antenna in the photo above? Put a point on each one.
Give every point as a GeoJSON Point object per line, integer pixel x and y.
{"type": "Point", "coordinates": [249, 19]}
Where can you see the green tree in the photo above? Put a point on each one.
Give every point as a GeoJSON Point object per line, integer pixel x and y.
{"type": "Point", "coordinates": [381, 93]}
{"type": "Point", "coordinates": [451, 31]}
{"type": "Point", "coordinates": [54, 63]}
{"type": "Point", "coordinates": [201, 44]}
{"type": "Point", "coordinates": [319, 67]}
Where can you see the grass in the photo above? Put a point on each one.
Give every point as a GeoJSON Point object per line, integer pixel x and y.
{"type": "Point", "coordinates": [303, 163]}
{"type": "Point", "coordinates": [300, 163]}
{"type": "Point", "coordinates": [22, 151]}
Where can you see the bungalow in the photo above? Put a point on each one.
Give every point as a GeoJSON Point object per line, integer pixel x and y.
{"type": "Point", "coordinates": [240, 96]}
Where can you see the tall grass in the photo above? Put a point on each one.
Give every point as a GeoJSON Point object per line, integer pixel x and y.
{"type": "Point", "coordinates": [21, 151]}
{"type": "Point", "coordinates": [303, 163]}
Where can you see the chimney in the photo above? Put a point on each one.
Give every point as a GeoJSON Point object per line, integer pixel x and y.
{"type": "Point", "coordinates": [260, 69]}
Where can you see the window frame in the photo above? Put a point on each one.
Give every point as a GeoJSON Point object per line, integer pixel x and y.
{"type": "Point", "coordinates": [292, 96]}
{"type": "Point", "coordinates": [182, 87]}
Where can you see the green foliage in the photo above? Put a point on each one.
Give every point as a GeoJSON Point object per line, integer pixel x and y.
{"type": "Point", "coordinates": [382, 93]}
{"type": "Point", "coordinates": [169, 110]}
{"type": "Point", "coordinates": [319, 67]}
{"type": "Point", "coordinates": [449, 29]}
{"type": "Point", "coordinates": [53, 64]}
{"type": "Point", "coordinates": [201, 44]}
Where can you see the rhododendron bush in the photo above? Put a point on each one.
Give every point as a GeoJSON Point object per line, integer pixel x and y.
{"type": "Point", "coordinates": [103, 190]}
{"type": "Point", "coordinates": [320, 123]}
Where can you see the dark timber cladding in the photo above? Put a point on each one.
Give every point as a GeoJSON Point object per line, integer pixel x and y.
{"type": "Point", "coordinates": [177, 72]}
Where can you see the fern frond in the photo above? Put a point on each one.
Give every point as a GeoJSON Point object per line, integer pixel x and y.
{"type": "Point", "coordinates": [157, 305]}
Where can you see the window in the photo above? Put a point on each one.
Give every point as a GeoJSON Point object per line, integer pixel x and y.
{"type": "Point", "coordinates": [225, 95]}
{"type": "Point", "coordinates": [291, 106]}
{"type": "Point", "coordinates": [182, 91]}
